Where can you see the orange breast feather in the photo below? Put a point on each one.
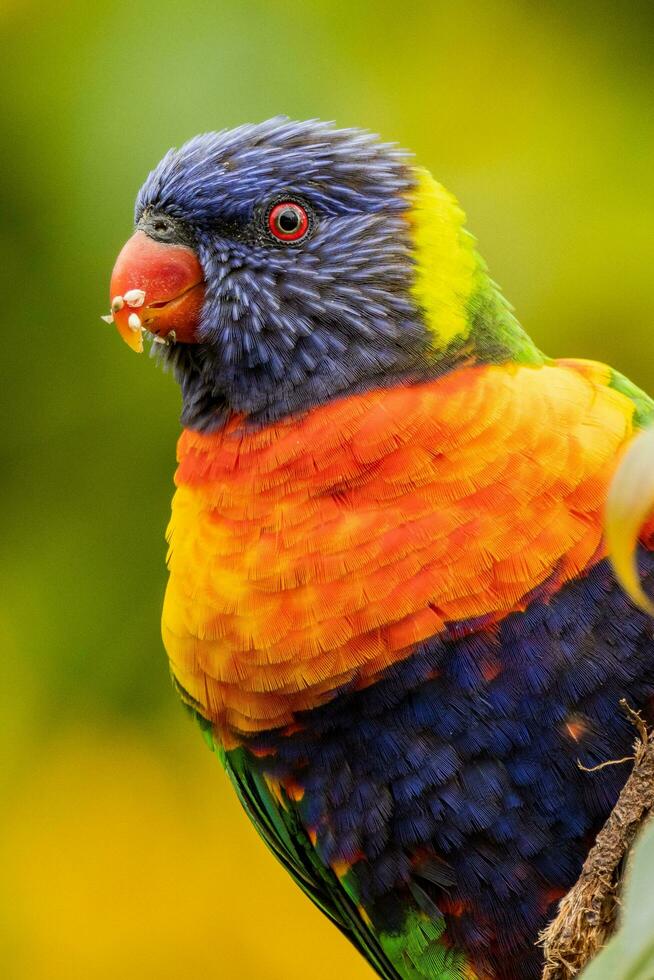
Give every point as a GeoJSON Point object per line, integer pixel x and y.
{"type": "Point", "coordinates": [318, 551]}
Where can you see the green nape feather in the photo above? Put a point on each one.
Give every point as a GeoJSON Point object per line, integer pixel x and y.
{"type": "Point", "coordinates": [418, 952]}
{"type": "Point", "coordinates": [644, 413]}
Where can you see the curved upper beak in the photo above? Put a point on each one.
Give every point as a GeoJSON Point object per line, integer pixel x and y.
{"type": "Point", "coordinates": [156, 287]}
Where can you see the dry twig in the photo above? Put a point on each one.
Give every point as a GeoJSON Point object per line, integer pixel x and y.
{"type": "Point", "coordinates": [587, 915]}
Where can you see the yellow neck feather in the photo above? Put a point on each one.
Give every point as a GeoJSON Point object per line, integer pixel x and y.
{"type": "Point", "coordinates": [446, 262]}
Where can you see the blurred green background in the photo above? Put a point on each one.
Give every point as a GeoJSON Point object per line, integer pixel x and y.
{"type": "Point", "coordinates": [123, 852]}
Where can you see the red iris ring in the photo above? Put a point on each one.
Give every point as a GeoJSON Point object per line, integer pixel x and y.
{"type": "Point", "coordinates": [276, 217]}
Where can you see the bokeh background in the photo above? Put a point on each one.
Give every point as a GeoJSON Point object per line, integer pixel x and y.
{"type": "Point", "coordinates": [123, 852]}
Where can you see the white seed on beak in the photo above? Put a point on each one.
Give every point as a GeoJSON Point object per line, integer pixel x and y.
{"type": "Point", "coordinates": [159, 340]}
{"type": "Point", "coordinates": [117, 303]}
{"type": "Point", "coordinates": [108, 318]}
{"type": "Point", "coordinates": [172, 337]}
{"type": "Point", "coordinates": [134, 321]}
{"type": "Point", "coordinates": [134, 297]}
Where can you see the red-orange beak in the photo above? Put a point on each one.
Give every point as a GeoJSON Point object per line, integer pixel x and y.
{"type": "Point", "coordinates": [156, 287]}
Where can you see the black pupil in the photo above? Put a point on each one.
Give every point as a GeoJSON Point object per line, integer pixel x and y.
{"type": "Point", "coordinates": [288, 220]}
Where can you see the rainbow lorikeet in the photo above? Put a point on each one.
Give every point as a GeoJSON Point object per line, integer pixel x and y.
{"type": "Point", "coordinates": [390, 605]}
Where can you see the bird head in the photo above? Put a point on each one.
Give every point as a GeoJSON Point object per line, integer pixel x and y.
{"type": "Point", "coordinates": [280, 265]}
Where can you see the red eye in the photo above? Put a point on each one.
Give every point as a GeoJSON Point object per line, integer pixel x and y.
{"type": "Point", "coordinates": [288, 221]}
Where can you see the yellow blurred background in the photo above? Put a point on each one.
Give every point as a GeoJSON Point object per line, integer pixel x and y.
{"type": "Point", "coordinates": [123, 852]}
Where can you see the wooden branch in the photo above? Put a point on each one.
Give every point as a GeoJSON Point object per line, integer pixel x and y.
{"type": "Point", "coordinates": [588, 913]}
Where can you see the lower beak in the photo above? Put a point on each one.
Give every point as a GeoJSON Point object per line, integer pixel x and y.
{"type": "Point", "coordinates": [156, 287]}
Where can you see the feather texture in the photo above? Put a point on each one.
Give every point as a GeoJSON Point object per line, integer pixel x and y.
{"type": "Point", "coordinates": [317, 552]}
{"type": "Point", "coordinates": [395, 615]}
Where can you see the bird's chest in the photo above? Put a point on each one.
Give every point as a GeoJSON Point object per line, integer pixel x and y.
{"type": "Point", "coordinates": [313, 555]}
{"type": "Point", "coordinates": [265, 611]}
{"type": "Point", "coordinates": [297, 561]}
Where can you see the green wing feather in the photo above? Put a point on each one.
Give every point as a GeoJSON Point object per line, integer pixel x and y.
{"type": "Point", "coordinates": [417, 952]}
{"type": "Point", "coordinates": [282, 831]}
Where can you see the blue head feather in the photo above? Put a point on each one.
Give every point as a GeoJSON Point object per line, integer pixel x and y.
{"type": "Point", "coordinates": [285, 326]}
